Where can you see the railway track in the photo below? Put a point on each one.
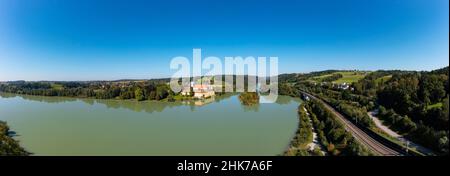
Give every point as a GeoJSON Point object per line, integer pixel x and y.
{"type": "Point", "coordinates": [360, 135]}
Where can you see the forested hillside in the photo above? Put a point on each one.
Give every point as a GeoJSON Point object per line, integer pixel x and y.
{"type": "Point", "coordinates": [412, 103]}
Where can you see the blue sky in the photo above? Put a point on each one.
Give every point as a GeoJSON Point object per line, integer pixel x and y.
{"type": "Point", "coordinates": [93, 40]}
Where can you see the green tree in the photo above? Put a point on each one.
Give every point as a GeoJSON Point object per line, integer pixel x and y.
{"type": "Point", "coordinates": [152, 95]}
{"type": "Point", "coordinates": [162, 92]}
{"type": "Point", "coordinates": [139, 94]}
{"type": "Point", "coordinates": [445, 108]}
{"type": "Point", "coordinates": [432, 88]}
{"type": "Point", "coordinates": [249, 98]}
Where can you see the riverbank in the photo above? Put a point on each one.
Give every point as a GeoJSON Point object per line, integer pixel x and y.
{"type": "Point", "coordinates": [304, 142]}
{"type": "Point", "coordinates": [315, 143]}
{"type": "Point", "coordinates": [8, 145]}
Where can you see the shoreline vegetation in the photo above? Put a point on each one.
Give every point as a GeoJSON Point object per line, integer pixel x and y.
{"type": "Point", "coordinates": [8, 145]}
{"type": "Point", "coordinates": [303, 136]}
{"type": "Point", "coordinates": [138, 90]}
{"type": "Point", "coordinates": [156, 90]}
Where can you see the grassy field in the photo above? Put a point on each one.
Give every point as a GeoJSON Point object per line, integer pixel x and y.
{"type": "Point", "coordinates": [321, 77]}
{"type": "Point", "coordinates": [383, 79]}
{"type": "Point", "coordinates": [57, 86]}
{"type": "Point", "coordinates": [350, 77]}
{"type": "Point", "coordinates": [347, 77]}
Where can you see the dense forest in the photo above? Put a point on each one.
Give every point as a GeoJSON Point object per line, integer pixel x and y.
{"type": "Point", "coordinates": [416, 104]}
{"type": "Point", "coordinates": [8, 145]}
{"type": "Point", "coordinates": [412, 103]}
{"type": "Point", "coordinates": [124, 89]}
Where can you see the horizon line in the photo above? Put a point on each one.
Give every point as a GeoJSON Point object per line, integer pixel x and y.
{"type": "Point", "coordinates": [168, 77]}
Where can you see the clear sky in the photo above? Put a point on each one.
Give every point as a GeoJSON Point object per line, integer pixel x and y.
{"type": "Point", "coordinates": [107, 39]}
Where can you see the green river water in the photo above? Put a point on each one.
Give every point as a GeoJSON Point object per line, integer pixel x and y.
{"type": "Point", "coordinates": [71, 126]}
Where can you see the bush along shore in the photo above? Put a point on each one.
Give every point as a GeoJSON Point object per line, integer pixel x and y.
{"type": "Point", "coordinates": [8, 145]}
{"type": "Point", "coordinates": [303, 137]}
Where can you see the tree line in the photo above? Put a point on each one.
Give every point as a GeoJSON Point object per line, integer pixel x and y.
{"type": "Point", "coordinates": [303, 136]}
{"type": "Point", "coordinates": [139, 90]}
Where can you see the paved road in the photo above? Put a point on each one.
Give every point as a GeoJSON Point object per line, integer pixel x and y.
{"type": "Point", "coordinates": [381, 126]}
{"type": "Point", "coordinates": [386, 129]}
{"type": "Point", "coordinates": [375, 146]}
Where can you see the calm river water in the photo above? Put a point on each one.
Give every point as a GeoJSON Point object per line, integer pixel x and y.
{"type": "Point", "coordinates": [70, 126]}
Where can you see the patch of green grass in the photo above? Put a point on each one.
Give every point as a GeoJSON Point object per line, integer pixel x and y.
{"type": "Point", "coordinates": [323, 76]}
{"type": "Point", "coordinates": [383, 79]}
{"type": "Point", "coordinates": [436, 105]}
{"type": "Point", "coordinates": [57, 86]}
{"type": "Point", "coordinates": [347, 77]}
{"type": "Point", "coordinates": [180, 97]}
{"type": "Point", "coordinates": [320, 78]}
{"type": "Point", "coordinates": [350, 77]}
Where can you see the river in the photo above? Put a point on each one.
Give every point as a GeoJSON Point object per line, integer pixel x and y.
{"type": "Point", "coordinates": [72, 126]}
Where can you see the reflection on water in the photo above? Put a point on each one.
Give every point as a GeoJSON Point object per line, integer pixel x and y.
{"type": "Point", "coordinates": [137, 106]}
{"type": "Point", "coordinates": [143, 106]}
{"type": "Point", "coordinates": [38, 98]}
